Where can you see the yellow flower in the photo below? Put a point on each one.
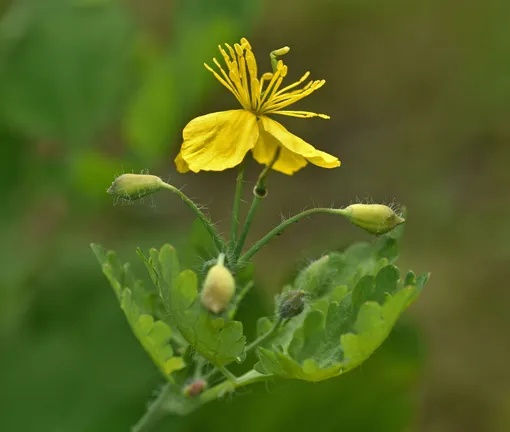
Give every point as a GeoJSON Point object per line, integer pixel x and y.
{"type": "Point", "coordinates": [217, 141]}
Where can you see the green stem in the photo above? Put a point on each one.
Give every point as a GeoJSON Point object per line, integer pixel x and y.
{"type": "Point", "coordinates": [220, 245]}
{"type": "Point", "coordinates": [237, 204]}
{"type": "Point", "coordinates": [276, 53]}
{"type": "Point", "coordinates": [280, 228]}
{"type": "Point", "coordinates": [265, 337]}
{"type": "Point", "coordinates": [238, 299]}
{"type": "Point", "coordinates": [247, 224]}
{"type": "Point", "coordinates": [155, 413]}
{"type": "Point", "coordinates": [228, 386]}
{"type": "Point", "coordinates": [259, 192]}
{"type": "Point", "coordinates": [229, 375]}
{"type": "Point", "coordinates": [158, 410]}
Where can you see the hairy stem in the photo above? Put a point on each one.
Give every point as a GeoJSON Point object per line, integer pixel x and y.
{"type": "Point", "coordinates": [158, 408]}
{"type": "Point", "coordinates": [265, 337]}
{"type": "Point", "coordinates": [280, 228]}
{"type": "Point", "coordinates": [229, 375]}
{"type": "Point", "coordinates": [155, 412]}
{"type": "Point", "coordinates": [228, 386]}
{"type": "Point", "coordinates": [238, 299]}
{"type": "Point", "coordinates": [220, 244]}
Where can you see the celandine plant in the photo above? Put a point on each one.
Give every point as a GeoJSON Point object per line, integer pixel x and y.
{"type": "Point", "coordinates": [335, 314]}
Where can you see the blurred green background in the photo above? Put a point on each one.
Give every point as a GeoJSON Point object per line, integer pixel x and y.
{"type": "Point", "coordinates": [419, 97]}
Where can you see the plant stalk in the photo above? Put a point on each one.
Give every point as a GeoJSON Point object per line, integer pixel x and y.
{"type": "Point", "coordinates": [265, 337]}
{"type": "Point", "coordinates": [219, 243]}
{"type": "Point", "coordinates": [237, 204]}
{"type": "Point", "coordinates": [155, 412]}
{"type": "Point", "coordinates": [259, 192]}
{"type": "Point", "coordinates": [280, 228]}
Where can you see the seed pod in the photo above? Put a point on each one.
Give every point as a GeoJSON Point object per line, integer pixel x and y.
{"type": "Point", "coordinates": [292, 304]}
{"type": "Point", "coordinates": [135, 186]}
{"type": "Point", "coordinates": [219, 287]}
{"type": "Point", "coordinates": [375, 218]}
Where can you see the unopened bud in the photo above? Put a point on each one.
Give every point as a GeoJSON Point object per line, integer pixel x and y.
{"type": "Point", "coordinates": [292, 304]}
{"type": "Point", "coordinates": [313, 277]}
{"type": "Point", "coordinates": [219, 287]}
{"type": "Point", "coordinates": [375, 218]}
{"type": "Point", "coordinates": [135, 186]}
{"type": "Point", "coordinates": [195, 388]}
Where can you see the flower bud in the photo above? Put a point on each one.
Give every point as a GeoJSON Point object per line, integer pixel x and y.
{"type": "Point", "coordinates": [219, 287]}
{"type": "Point", "coordinates": [195, 388]}
{"type": "Point", "coordinates": [292, 304]}
{"type": "Point", "coordinates": [313, 277]}
{"type": "Point", "coordinates": [135, 186]}
{"type": "Point", "coordinates": [375, 218]}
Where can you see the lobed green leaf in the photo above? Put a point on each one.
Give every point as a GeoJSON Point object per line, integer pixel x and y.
{"type": "Point", "coordinates": [154, 335]}
{"type": "Point", "coordinates": [219, 340]}
{"type": "Point", "coordinates": [356, 301]}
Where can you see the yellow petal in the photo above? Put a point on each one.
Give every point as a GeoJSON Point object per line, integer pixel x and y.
{"type": "Point", "coordinates": [297, 145]}
{"type": "Point", "coordinates": [181, 164]}
{"type": "Point", "coordinates": [265, 149]}
{"type": "Point", "coordinates": [218, 141]}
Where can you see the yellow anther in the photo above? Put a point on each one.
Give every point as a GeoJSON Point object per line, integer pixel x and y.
{"type": "Point", "coordinates": [239, 49]}
{"type": "Point", "coordinates": [245, 43]}
{"type": "Point", "coordinates": [281, 51]}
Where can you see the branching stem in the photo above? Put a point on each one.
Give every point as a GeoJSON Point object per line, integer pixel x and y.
{"type": "Point", "coordinates": [259, 192]}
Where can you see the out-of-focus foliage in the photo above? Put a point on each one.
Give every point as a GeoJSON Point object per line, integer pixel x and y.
{"type": "Point", "coordinates": [59, 80]}
{"type": "Point", "coordinates": [172, 79]}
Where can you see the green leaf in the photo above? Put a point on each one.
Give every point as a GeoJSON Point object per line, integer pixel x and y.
{"type": "Point", "coordinates": [170, 268]}
{"type": "Point", "coordinates": [219, 340]}
{"type": "Point", "coordinates": [154, 335]}
{"type": "Point", "coordinates": [323, 347]}
{"type": "Point", "coordinates": [359, 306]}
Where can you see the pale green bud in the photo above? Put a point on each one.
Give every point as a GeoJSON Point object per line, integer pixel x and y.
{"type": "Point", "coordinates": [219, 287]}
{"type": "Point", "coordinates": [313, 277]}
{"type": "Point", "coordinates": [135, 186]}
{"type": "Point", "coordinates": [375, 218]}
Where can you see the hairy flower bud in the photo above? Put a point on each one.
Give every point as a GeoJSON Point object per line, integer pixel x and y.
{"type": "Point", "coordinates": [375, 218]}
{"type": "Point", "coordinates": [195, 388]}
{"type": "Point", "coordinates": [135, 186]}
{"type": "Point", "coordinates": [292, 304]}
{"type": "Point", "coordinates": [311, 278]}
{"type": "Point", "coordinates": [219, 287]}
